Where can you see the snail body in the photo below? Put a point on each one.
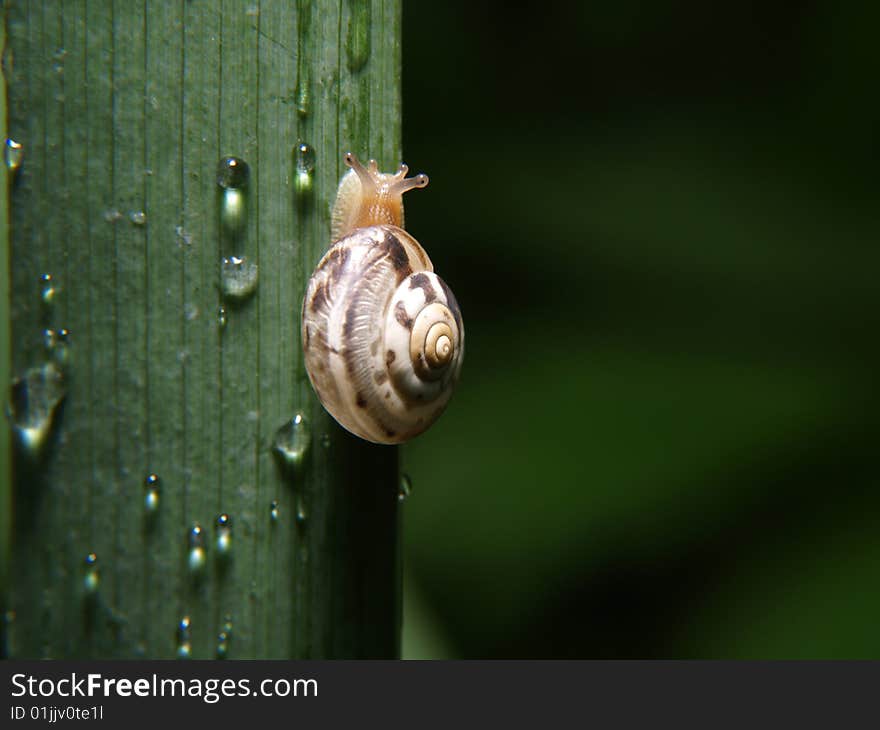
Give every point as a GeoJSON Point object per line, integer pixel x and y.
{"type": "Point", "coordinates": [382, 334]}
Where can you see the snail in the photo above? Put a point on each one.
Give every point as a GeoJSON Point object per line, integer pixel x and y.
{"type": "Point", "coordinates": [382, 334]}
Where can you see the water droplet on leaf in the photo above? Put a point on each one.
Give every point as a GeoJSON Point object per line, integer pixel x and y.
{"type": "Point", "coordinates": [13, 154]}
{"type": "Point", "coordinates": [184, 638]}
{"type": "Point", "coordinates": [232, 172]}
{"type": "Point", "coordinates": [57, 344]}
{"type": "Point", "coordinates": [404, 489]}
{"type": "Point", "coordinates": [224, 638]}
{"type": "Point", "coordinates": [302, 514]}
{"type": "Point", "coordinates": [152, 487]}
{"type": "Point", "coordinates": [233, 211]}
{"type": "Point", "coordinates": [48, 290]}
{"type": "Point", "coordinates": [181, 233]}
{"type": "Point", "coordinates": [196, 558]}
{"type": "Point", "coordinates": [304, 159]}
{"type": "Point", "coordinates": [224, 536]}
{"type": "Point", "coordinates": [238, 277]}
{"type": "Point", "coordinates": [92, 578]}
{"type": "Point", "coordinates": [33, 404]}
{"type": "Point", "coordinates": [292, 441]}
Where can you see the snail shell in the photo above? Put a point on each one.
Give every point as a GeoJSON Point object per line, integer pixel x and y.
{"type": "Point", "coordinates": [382, 333]}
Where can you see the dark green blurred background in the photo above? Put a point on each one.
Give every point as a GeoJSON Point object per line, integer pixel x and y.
{"type": "Point", "coordinates": [661, 223]}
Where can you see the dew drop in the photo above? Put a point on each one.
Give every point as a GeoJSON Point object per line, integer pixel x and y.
{"type": "Point", "coordinates": [325, 440]}
{"type": "Point", "coordinates": [238, 277]}
{"type": "Point", "coordinates": [58, 60]}
{"type": "Point", "coordinates": [404, 489]}
{"type": "Point", "coordinates": [232, 177]}
{"type": "Point", "coordinates": [304, 159]}
{"type": "Point", "coordinates": [61, 352]}
{"type": "Point", "coordinates": [190, 311]}
{"type": "Point", "coordinates": [302, 514]}
{"type": "Point", "coordinates": [357, 42]}
{"type": "Point", "coordinates": [196, 559]}
{"type": "Point", "coordinates": [13, 154]}
{"type": "Point", "coordinates": [222, 317]}
{"type": "Point", "coordinates": [222, 645]}
{"type": "Point", "coordinates": [224, 536]}
{"type": "Point", "coordinates": [183, 235]}
{"type": "Point", "coordinates": [232, 172]}
{"type": "Point", "coordinates": [233, 211]}
{"type": "Point", "coordinates": [292, 441]}
{"type": "Point", "coordinates": [48, 290]}
{"type": "Point", "coordinates": [57, 344]}
{"type": "Point", "coordinates": [138, 217]}
{"type": "Point", "coordinates": [184, 638]}
{"type": "Point", "coordinates": [91, 578]}
{"type": "Point", "coordinates": [273, 510]}
{"type": "Point", "coordinates": [111, 215]}
{"type": "Point", "coordinates": [33, 404]}
{"type": "Point", "coordinates": [152, 488]}
{"type": "Point", "coordinates": [224, 638]}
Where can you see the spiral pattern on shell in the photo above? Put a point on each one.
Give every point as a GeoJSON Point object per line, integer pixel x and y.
{"type": "Point", "coordinates": [382, 335]}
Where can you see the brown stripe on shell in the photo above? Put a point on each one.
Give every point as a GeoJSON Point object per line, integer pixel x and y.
{"type": "Point", "coordinates": [390, 357]}
{"type": "Point", "coordinates": [319, 298]}
{"type": "Point", "coordinates": [333, 268]}
{"type": "Point", "coordinates": [401, 316]}
{"type": "Point", "coordinates": [318, 340]}
{"type": "Point", "coordinates": [348, 324]}
{"type": "Point", "coordinates": [361, 400]}
{"type": "Point", "coordinates": [338, 257]}
{"type": "Point", "coordinates": [380, 377]}
{"type": "Point", "coordinates": [348, 357]}
{"type": "Point", "coordinates": [396, 253]}
{"type": "Point", "coordinates": [423, 282]}
{"type": "Point", "coordinates": [347, 354]}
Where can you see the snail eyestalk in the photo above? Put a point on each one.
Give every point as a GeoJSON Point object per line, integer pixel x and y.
{"type": "Point", "coordinates": [401, 185]}
{"type": "Point", "coordinates": [379, 195]}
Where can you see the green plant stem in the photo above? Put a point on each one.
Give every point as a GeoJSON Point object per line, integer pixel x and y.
{"type": "Point", "coordinates": [127, 107]}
